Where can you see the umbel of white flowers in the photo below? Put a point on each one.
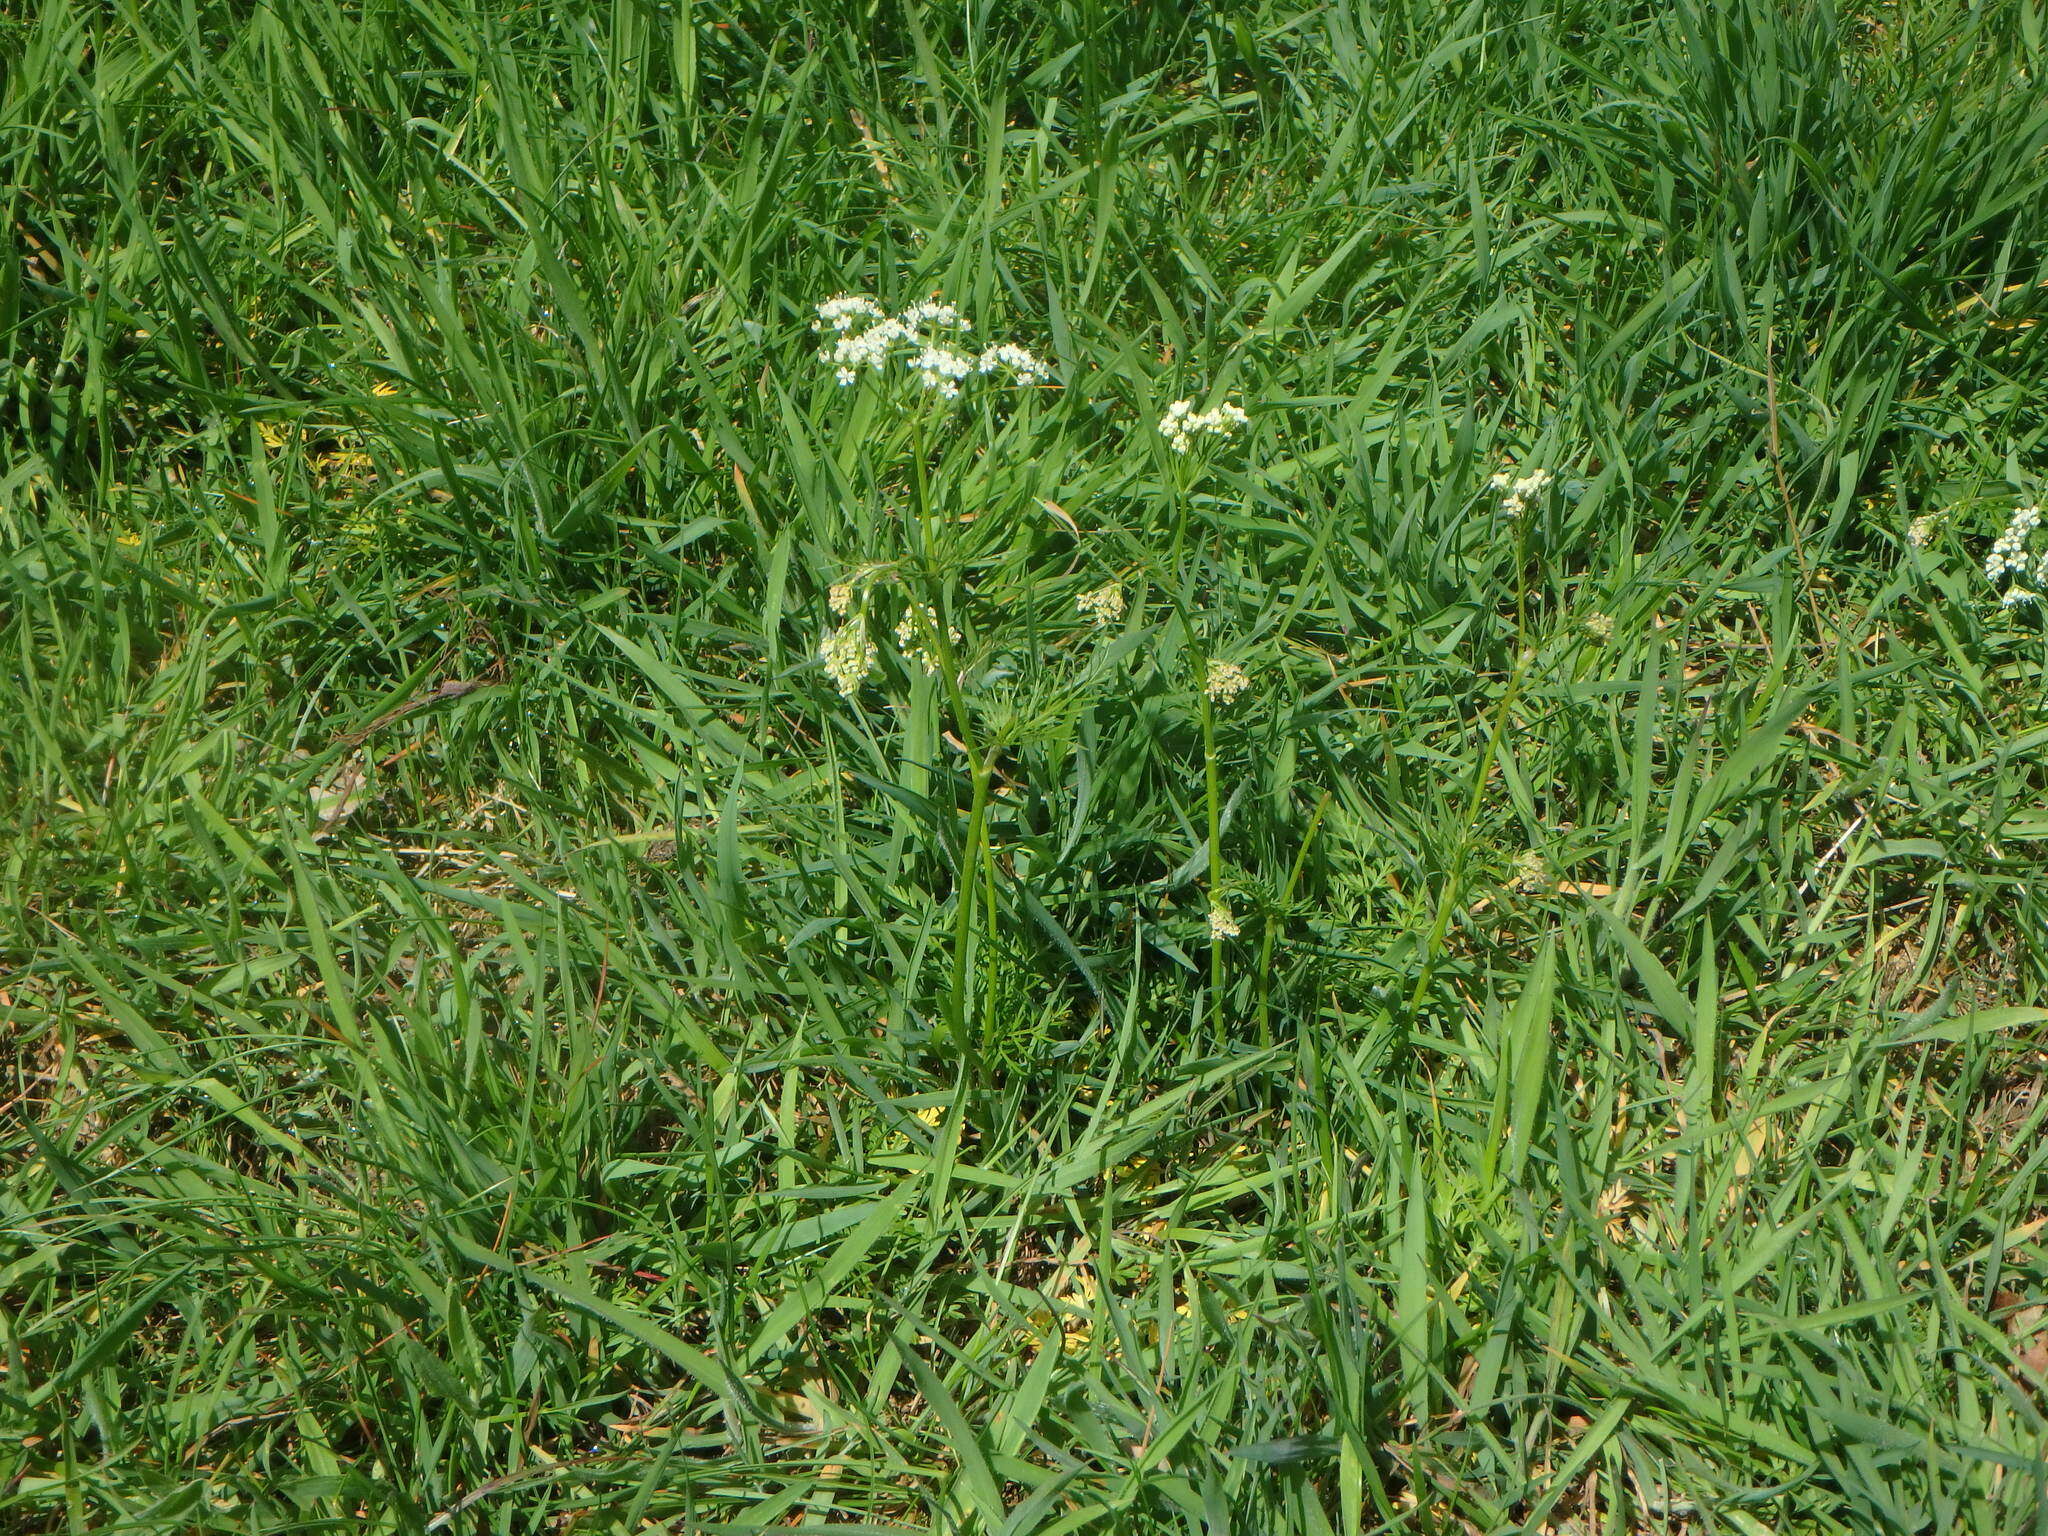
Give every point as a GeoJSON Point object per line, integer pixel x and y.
{"type": "Point", "coordinates": [1105, 605]}
{"type": "Point", "coordinates": [863, 336]}
{"type": "Point", "coordinates": [1520, 490]}
{"type": "Point", "coordinates": [914, 636]}
{"type": "Point", "coordinates": [1182, 423]}
{"type": "Point", "coordinates": [1225, 680]}
{"type": "Point", "coordinates": [849, 655]}
{"type": "Point", "coordinates": [2009, 557]}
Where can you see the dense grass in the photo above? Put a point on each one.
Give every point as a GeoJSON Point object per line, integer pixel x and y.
{"type": "Point", "coordinates": [498, 1043]}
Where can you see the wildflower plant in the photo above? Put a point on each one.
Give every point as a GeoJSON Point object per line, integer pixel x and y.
{"type": "Point", "coordinates": [918, 564]}
{"type": "Point", "coordinates": [973, 908]}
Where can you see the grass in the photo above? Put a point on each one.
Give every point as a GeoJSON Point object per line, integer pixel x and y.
{"type": "Point", "coordinates": [499, 1043]}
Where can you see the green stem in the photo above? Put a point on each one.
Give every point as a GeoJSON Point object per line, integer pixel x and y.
{"type": "Point", "coordinates": [1308, 838]}
{"type": "Point", "coordinates": [924, 497]}
{"type": "Point", "coordinates": [988, 943]}
{"type": "Point", "coordinates": [1454, 879]}
{"type": "Point", "coordinates": [963, 915]}
{"type": "Point", "coordinates": [1214, 788]}
{"type": "Point", "coordinates": [975, 859]}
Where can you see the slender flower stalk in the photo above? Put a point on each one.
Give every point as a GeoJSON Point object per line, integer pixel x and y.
{"type": "Point", "coordinates": [1218, 931]}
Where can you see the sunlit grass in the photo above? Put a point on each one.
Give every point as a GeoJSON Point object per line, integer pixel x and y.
{"type": "Point", "coordinates": [1461, 955]}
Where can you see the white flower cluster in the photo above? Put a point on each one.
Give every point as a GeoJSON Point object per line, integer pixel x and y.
{"type": "Point", "coordinates": [863, 335]}
{"type": "Point", "coordinates": [849, 655]}
{"type": "Point", "coordinates": [918, 625]}
{"type": "Point", "coordinates": [1105, 605]}
{"type": "Point", "coordinates": [1024, 366]}
{"type": "Point", "coordinates": [2009, 558]}
{"type": "Point", "coordinates": [942, 369]}
{"type": "Point", "coordinates": [2009, 553]}
{"type": "Point", "coordinates": [1522, 491]}
{"type": "Point", "coordinates": [848, 311]}
{"type": "Point", "coordinates": [1920, 532]}
{"type": "Point", "coordinates": [1226, 680]}
{"type": "Point", "coordinates": [935, 312]}
{"type": "Point", "coordinates": [1222, 923]}
{"type": "Point", "coordinates": [1182, 423]}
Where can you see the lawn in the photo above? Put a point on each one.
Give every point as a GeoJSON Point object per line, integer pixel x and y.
{"type": "Point", "coordinates": [1023, 767]}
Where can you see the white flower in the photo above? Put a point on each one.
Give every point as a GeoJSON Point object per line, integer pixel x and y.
{"type": "Point", "coordinates": [1221, 924]}
{"type": "Point", "coordinates": [849, 655]}
{"type": "Point", "coordinates": [1024, 367]}
{"type": "Point", "coordinates": [935, 312]}
{"type": "Point", "coordinates": [1520, 491]}
{"type": "Point", "coordinates": [920, 622]}
{"type": "Point", "coordinates": [943, 369]}
{"type": "Point", "coordinates": [2010, 559]}
{"type": "Point", "coordinates": [841, 597]}
{"type": "Point", "coordinates": [1920, 532]}
{"type": "Point", "coordinates": [862, 336]}
{"type": "Point", "coordinates": [1226, 680]}
{"type": "Point", "coordinates": [1529, 871]}
{"type": "Point", "coordinates": [2009, 551]}
{"type": "Point", "coordinates": [1105, 605]}
{"type": "Point", "coordinates": [1599, 625]}
{"type": "Point", "coordinates": [846, 311]}
{"type": "Point", "coordinates": [870, 348]}
{"type": "Point", "coordinates": [1182, 423]}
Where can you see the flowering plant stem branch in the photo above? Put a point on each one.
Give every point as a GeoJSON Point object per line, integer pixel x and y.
{"type": "Point", "coordinates": [973, 856]}
{"type": "Point", "coordinates": [977, 857]}
{"type": "Point", "coordinates": [1308, 838]}
{"type": "Point", "coordinates": [1454, 877]}
{"type": "Point", "coordinates": [1214, 795]}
